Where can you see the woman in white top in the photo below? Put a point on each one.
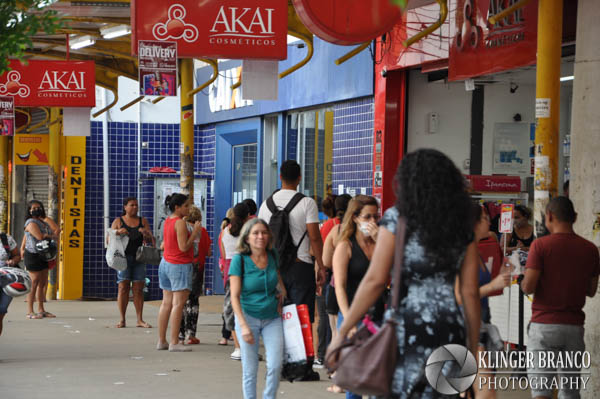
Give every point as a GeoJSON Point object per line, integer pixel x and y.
{"type": "Point", "coordinates": [229, 240]}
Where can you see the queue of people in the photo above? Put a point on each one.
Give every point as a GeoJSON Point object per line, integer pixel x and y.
{"type": "Point", "coordinates": [344, 267]}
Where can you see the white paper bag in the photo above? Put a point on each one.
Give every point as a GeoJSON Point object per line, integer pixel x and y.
{"type": "Point", "coordinates": [292, 336]}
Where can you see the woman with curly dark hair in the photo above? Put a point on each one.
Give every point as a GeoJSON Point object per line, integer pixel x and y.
{"type": "Point", "coordinates": [432, 199]}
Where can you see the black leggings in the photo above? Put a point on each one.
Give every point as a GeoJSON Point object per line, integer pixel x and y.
{"type": "Point", "coordinates": [189, 321]}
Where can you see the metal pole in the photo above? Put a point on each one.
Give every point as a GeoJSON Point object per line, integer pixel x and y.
{"type": "Point", "coordinates": [53, 189]}
{"type": "Point", "coordinates": [186, 148]}
{"type": "Point", "coordinates": [547, 107]}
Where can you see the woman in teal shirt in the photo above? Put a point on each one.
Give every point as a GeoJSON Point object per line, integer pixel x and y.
{"type": "Point", "coordinates": [257, 293]}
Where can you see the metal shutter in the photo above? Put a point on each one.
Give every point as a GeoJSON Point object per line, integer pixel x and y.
{"type": "Point", "coordinates": [37, 183]}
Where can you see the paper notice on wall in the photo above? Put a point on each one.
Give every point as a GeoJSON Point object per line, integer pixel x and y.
{"type": "Point", "coordinates": [76, 121]}
{"type": "Point", "coordinates": [260, 79]}
{"type": "Point", "coordinates": [254, 195]}
{"type": "Point", "coordinates": [340, 189]}
{"type": "Point", "coordinates": [363, 190]}
{"type": "Point", "coordinates": [542, 107]}
{"type": "Point", "coordinates": [352, 191]}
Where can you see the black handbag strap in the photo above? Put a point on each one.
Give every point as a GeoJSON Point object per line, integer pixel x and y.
{"type": "Point", "coordinates": [398, 262]}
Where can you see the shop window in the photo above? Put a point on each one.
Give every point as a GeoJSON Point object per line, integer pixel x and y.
{"type": "Point", "coordinates": [310, 142]}
{"type": "Point", "coordinates": [244, 172]}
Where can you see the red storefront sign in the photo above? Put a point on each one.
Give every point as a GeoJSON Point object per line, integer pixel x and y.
{"type": "Point", "coordinates": [509, 184]}
{"type": "Point", "coordinates": [50, 83]}
{"type": "Point", "coordinates": [214, 28]}
{"type": "Point", "coordinates": [347, 22]}
{"type": "Point", "coordinates": [478, 48]}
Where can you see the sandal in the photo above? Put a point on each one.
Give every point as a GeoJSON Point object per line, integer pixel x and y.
{"type": "Point", "coordinates": [335, 389]}
{"type": "Point", "coordinates": [47, 314]}
{"type": "Point", "coordinates": [36, 316]}
{"type": "Point", "coordinates": [223, 342]}
{"type": "Point", "coordinates": [192, 341]}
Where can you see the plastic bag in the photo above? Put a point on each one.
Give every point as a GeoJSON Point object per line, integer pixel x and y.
{"type": "Point", "coordinates": [115, 252]}
{"type": "Point", "coordinates": [294, 359]}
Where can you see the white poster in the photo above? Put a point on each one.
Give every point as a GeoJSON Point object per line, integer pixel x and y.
{"type": "Point", "coordinates": [260, 79]}
{"type": "Point", "coordinates": [76, 121]}
{"type": "Point", "coordinates": [511, 148]}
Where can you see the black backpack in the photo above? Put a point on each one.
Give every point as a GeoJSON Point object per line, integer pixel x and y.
{"type": "Point", "coordinates": [279, 224]}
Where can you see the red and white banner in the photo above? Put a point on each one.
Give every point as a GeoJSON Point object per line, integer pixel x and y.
{"type": "Point", "coordinates": [506, 218]}
{"type": "Point", "coordinates": [235, 29]}
{"type": "Point", "coordinates": [506, 184]}
{"type": "Point", "coordinates": [478, 48]}
{"type": "Point", "coordinates": [7, 116]}
{"type": "Point", "coordinates": [50, 83]}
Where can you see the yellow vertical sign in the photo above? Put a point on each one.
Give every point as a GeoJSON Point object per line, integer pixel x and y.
{"type": "Point", "coordinates": [71, 268]}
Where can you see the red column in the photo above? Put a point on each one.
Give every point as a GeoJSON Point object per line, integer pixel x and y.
{"type": "Point", "coordinates": [389, 129]}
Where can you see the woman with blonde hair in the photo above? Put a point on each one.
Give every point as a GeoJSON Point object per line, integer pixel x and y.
{"type": "Point", "coordinates": [257, 294]}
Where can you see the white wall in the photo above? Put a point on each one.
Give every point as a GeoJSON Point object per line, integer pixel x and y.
{"type": "Point", "coordinates": [453, 106]}
{"type": "Point", "coordinates": [165, 111]}
{"type": "Point", "coordinates": [500, 105]}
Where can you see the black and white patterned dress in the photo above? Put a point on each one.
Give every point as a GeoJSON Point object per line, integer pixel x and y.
{"type": "Point", "coordinates": [428, 317]}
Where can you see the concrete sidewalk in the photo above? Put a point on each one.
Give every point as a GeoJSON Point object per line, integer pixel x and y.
{"type": "Point", "coordinates": [81, 355]}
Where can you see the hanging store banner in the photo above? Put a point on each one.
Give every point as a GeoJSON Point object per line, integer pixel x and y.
{"type": "Point", "coordinates": [495, 184]}
{"type": "Point", "coordinates": [237, 29]}
{"type": "Point", "coordinates": [50, 83]}
{"type": "Point", "coordinates": [157, 68]}
{"type": "Point", "coordinates": [479, 48]}
{"type": "Point", "coordinates": [31, 149]}
{"type": "Point", "coordinates": [7, 116]}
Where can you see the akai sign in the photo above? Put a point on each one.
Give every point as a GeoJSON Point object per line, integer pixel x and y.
{"type": "Point", "coordinates": [479, 48]}
{"type": "Point", "coordinates": [50, 83]}
{"type": "Point", "coordinates": [235, 29]}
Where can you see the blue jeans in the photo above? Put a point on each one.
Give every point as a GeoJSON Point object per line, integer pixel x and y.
{"type": "Point", "coordinates": [349, 395]}
{"type": "Point", "coordinates": [271, 331]}
{"type": "Point", "coordinates": [135, 271]}
{"type": "Point", "coordinates": [174, 277]}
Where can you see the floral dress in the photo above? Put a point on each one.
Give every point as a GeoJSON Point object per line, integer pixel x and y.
{"type": "Point", "coordinates": [429, 316]}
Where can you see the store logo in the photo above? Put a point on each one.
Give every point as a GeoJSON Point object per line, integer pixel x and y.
{"type": "Point", "coordinates": [175, 27]}
{"type": "Point", "coordinates": [248, 26]}
{"type": "Point", "coordinates": [13, 85]}
{"type": "Point", "coordinates": [451, 385]}
{"type": "Point", "coordinates": [62, 81]}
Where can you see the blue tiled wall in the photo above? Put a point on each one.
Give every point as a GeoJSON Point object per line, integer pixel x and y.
{"type": "Point", "coordinates": [353, 145]}
{"type": "Point", "coordinates": [162, 150]}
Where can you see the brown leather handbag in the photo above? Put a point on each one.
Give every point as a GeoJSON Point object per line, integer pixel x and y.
{"type": "Point", "coordinates": [365, 363]}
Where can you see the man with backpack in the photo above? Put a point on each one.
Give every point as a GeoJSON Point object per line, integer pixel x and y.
{"type": "Point", "coordinates": [294, 222]}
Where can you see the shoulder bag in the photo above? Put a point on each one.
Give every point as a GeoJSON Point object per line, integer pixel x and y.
{"type": "Point", "coordinates": [148, 255]}
{"type": "Point", "coordinates": [366, 362]}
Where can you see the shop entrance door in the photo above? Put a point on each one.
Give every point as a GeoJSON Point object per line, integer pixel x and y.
{"type": "Point", "coordinates": [244, 179]}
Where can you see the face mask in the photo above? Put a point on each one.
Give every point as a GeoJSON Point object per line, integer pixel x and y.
{"type": "Point", "coordinates": [364, 227]}
{"type": "Point", "coordinates": [36, 213]}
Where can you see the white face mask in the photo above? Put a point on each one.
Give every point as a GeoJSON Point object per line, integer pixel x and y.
{"type": "Point", "coordinates": [364, 227]}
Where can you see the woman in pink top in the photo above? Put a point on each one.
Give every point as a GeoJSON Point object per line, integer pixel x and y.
{"type": "Point", "coordinates": [175, 271]}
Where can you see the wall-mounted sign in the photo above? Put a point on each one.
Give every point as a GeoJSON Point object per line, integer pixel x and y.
{"type": "Point", "coordinates": [157, 68]}
{"type": "Point", "coordinates": [31, 149]}
{"type": "Point", "coordinates": [235, 29]}
{"type": "Point", "coordinates": [480, 183]}
{"type": "Point", "coordinates": [478, 48]}
{"type": "Point", "coordinates": [7, 116]}
{"type": "Point", "coordinates": [50, 83]}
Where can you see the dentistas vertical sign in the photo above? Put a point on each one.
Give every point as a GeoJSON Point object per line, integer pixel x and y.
{"type": "Point", "coordinates": [237, 29]}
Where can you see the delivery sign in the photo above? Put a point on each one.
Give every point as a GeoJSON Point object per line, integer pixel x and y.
{"type": "Point", "coordinates": [237, 29]}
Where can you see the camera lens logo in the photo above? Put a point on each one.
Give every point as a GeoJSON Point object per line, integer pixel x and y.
{"type": "Point", "coordinates": [451, 385]}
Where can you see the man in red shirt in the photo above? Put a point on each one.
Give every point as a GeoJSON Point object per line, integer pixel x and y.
{"type": "Point", "coordinates": [562, 269]}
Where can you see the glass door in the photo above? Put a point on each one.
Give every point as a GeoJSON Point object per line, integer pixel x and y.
{"type": "Point", "coordinates": [244, 184]}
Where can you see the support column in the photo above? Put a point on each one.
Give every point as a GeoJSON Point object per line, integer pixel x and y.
{"type": "Point", "coordinates": [186, 148]}
{"type": "Point", "coordinates": [547, 107]}
{"type": "Point", "coordinates": [584, 188]}
{"type": "Point", "coordinates": [4, 157]}
{"type": "Point", "coordinates": [53, 188]}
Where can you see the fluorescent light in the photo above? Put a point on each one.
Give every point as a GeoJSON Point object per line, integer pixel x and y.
{"type": "Point", "coordinates": [81, 41]}
{"type": "Point", "coordinates": [565, 78]}
{"type": "Point", "coordinates": [111, 32]}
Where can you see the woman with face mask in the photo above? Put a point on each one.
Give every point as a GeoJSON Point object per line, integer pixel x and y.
{"type": "Point", "coordinates": [522, 235]}
{"type": "Point", "coordinates": [36, 230]}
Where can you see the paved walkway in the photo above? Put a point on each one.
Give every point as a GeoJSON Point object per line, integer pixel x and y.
{"type": "Point", "coordinates": [80, 355]}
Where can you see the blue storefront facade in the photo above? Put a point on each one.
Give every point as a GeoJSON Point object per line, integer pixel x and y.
{"type": "Point", "coordinates": [323, 118]}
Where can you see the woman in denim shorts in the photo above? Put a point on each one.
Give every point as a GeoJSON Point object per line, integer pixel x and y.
{"type": "Point", "coordinates": [134, 277]}
{"type": "Point", "coordinates": [175, 271]}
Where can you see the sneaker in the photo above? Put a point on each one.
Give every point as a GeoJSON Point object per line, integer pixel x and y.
{"type": "Point", "coordinates": [236, 354]}
{"type": "Point", "coordinates": [179, 348]}
{"type": "Point", "coordinates": [318, 364]}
